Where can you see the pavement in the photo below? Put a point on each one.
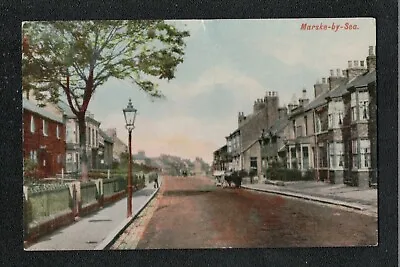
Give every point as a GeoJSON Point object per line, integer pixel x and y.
{"type": "Point", "coordinates": [363, 200]}
{"type": "Point", "coordinates": [97, 230]}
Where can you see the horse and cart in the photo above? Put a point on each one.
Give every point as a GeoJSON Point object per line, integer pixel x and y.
{"type": "Point", "coordinates": [227, 179]}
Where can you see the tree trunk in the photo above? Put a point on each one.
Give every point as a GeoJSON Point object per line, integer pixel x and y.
{"type": "Point", "coordinates": [82, 147]}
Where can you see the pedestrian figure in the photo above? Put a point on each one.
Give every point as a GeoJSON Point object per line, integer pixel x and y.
{"type": "Point", "coordinates": [156, 185]}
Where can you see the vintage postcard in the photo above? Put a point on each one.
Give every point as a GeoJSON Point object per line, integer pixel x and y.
{"type": "Point", "coordinates": [188, 134]}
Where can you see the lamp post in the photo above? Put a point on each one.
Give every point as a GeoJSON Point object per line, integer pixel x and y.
{"type": "Point", "coordinates": [130, 116]}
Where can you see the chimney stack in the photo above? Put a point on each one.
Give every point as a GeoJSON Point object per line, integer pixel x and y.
{"type": "Point", "coordinates": [371, 59]}
{"type": "Point", "coordinates": [355, 70]}
{"type": "Point", "coordinates": [304, 100]}
{"type": "Point", "coordinates": [282, 112]}
{"type": "Point", "coordinates": [332, 73]}
{"type": "Point", "coordinates": [335, 81]}
{"type": "Point", "coordinates": [320, 88]}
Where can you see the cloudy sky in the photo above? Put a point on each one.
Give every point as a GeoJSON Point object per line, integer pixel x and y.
{"type": "Point", "coordinates": [228, 64]}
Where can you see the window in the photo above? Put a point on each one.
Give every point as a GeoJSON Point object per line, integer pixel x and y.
{"type": "Point", "coordinates": [33, 156]}
{"type": "Point", "coordinates": [332, 160]}
{"type": "Point", "coordinates": [305, 158]}
{"type": "Point", "coordinates": [323, 161]}
{"type": "Point", "coordinates": [364, 112]}
{"type": "Point", "coordinates": [69, 157]}
{"type": "Point", "coordinates": [45, 128]}
{"type": "Point", "coordinates": [318, 124]}
{"type": "Point", "coordinates": [306, 125]}
{"type": "Point", "coordinates": [293, 157]}
{"type": "Point", "coordinates": [44, 162]}
{"type": "Point", "coordinates": [299, 131]}
{"type": "Point", "coordinates": [59, 158]}
{"type": "Point", "coordinates": [294, 128]}
{"type": "Point", "coordinates": [365, 153]}
{"type": "Point", "coordinates": [97, 136]}
{"type": "Point", "coordinates": [58, 132]}
{"type": "Point", "coordinates": [340, 154]}
{"type": "Point", "coordinates": [32, 124]}
{"type": "Point", "coordinates": [253, 163]}
{"type": "Point", "coordinates": [340, 117]}
{"type": "Point", "coordinates": [93, 140]}
{"type": "Point", "coordinates": [354, 151]}
{"type": "Point", "coordinates": [330, 121]}
{"type": "Point", "coordinates": [353, 113]}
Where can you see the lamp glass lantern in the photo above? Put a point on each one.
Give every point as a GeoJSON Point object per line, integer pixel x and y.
{"type": "Point", "coordinates": [130, 116]}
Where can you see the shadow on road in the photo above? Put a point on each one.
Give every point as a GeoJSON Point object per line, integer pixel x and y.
{"type": "Point", "coordinates": [186, 192]}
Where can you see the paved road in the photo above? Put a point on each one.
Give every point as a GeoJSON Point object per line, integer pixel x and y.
{"type": "Point", "coordinates": [193, 213]}
{"type": "Point", "coordinates": [91, 230]}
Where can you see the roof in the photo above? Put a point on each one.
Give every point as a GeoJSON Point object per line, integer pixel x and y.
{"type": "Point", "coordinates": [32, 107]}
{"type": "Point", "coordinates": [105, 136]}
{"type": "Point", "coordinates": [362, 80]}
{"type": "Point", "coordinates": [67, 110]}
{"type": "Point", "coordinates": [278, 126]}
{"type": "Point", "coordinates": [318, 101]}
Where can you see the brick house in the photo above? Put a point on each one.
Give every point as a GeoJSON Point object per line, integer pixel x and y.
{"type": "Point", "coordinates": [43, 139]}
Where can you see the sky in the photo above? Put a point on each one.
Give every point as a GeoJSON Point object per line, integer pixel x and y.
{"type": "Point", "coordinates": [228, 64]}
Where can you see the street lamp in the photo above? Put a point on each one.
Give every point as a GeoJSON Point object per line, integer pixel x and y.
{"type": "Point", "coordinates": [130, 116]}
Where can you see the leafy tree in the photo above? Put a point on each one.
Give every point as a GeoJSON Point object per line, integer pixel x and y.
{"type": "Point", "coordinates": [76, 57]}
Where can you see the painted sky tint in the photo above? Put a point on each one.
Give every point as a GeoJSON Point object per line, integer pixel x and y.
{"type": "Point", "coordinates": [228, 64]}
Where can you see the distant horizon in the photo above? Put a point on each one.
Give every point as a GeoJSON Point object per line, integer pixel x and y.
{"type": "Point", "coordinates": [227, 66]}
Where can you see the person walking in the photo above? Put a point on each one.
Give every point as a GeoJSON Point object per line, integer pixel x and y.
{"type": "Point", "coordinates": [156, 185]}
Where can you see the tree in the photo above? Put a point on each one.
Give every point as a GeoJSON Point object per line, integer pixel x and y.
{"type": "Point", "coordinates": [75, 58]}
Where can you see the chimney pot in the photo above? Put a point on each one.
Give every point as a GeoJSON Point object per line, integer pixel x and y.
{"type": "Point", "coordinates": [323, 80]}
{"type": "Point", "coordinates": [332, 73]}
{"type": "Point", "coordinates": [344, 73]}
{"type": "Point", "coordinates": [355, 63]}
{"type": "Point", "coordinates": [350, 64]}
{"type": "Point", "coordinates": [362, 63]}
{"type": "Point", "coordinates": [338, 72]}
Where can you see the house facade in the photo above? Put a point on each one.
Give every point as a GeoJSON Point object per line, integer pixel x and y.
{"type": "Point", "coordinates": [273, 146]}
{"type": "Point", "coordinates": [220, 162]}
{"type": "Point", "coordinates": [43, 139]}
{"type": "Point", "coordinates": [119, 146]}
{"type": "Point", "coordinates": [234, 147]}
{"type": "Point", "coordinates": [72, 158]}
{"type": "Point", "coordinates": [105, 150]}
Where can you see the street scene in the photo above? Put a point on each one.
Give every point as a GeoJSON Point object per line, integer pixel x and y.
{"type": "Point", "coordinates": [185, 134]}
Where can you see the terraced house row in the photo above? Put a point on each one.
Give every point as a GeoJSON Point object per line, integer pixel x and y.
{"type": "Point", "coordinates": [51, 140]}
{"type": "Point", "coordinates": [334, 134]}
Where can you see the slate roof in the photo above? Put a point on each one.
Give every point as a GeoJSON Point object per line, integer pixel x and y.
{"type": "Point", "coordinates": [67, 110]}
{"type": "Point", "coordinates": [358, 81]}
{"type": "Point", "coordinates": [105, 136]}
{"type": "Point", "coordinates": [32, 107]}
